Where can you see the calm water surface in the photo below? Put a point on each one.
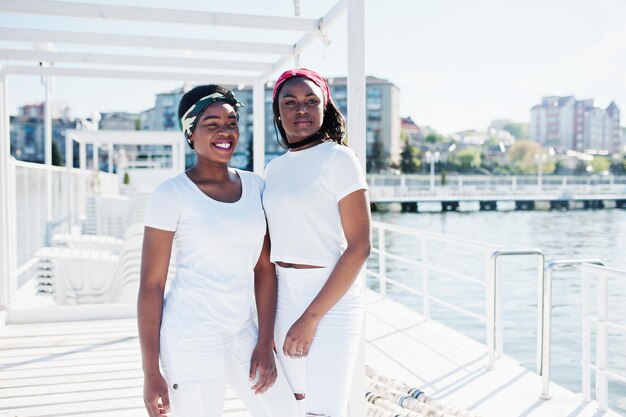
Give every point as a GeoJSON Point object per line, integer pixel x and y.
{"type": "Point", "coordinates": [576, 234]}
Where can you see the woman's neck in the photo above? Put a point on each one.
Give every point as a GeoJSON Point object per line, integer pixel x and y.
{"type": "Point", "coordinates": [306, 143]}
{"type": "Point", "coordinates": [208, 171]}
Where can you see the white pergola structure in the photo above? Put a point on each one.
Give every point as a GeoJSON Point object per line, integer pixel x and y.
{"type": "Point", "coordinates": [110, 138]}
{"type": "Point", "coordinates": [153, 58]}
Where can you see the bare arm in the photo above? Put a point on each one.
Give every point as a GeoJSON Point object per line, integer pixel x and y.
{"type": "Point", "coordinates": [155, 259]}
{"type": "Point", "coordinates": [355, 220]}
{"type": "Point", "coordinates": [265, 292]}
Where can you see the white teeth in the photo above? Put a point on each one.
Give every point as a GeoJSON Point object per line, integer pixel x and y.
{"type": "Point", "coordinates": [224, 145]}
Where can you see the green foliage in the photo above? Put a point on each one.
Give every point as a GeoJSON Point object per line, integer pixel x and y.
{"type": "Point", "coordinates": [126, 180]}
{"type": "Point", "coordinates": [492, 142]}
{"type": "Point", "coordinates": [137, 124]}
{"type": "Point", "coordinates": [522, 157]}
{"type": "Point", "coordinates": [409, 158]}
{"type": "Point", "coordinates": [519, 130]}
{"type": "Point", "coordinates": [600, 164]}
{"type": "Point", "coordinates": [435, 138]}
{"type": "Point", "coordinates": [466, 158]}
{"type": "Point", "coordinates": [56, 155]}
{"type": "Point", "coordinates": [378, 159]}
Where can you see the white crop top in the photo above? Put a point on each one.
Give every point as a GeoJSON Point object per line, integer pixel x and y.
{"type": "Point", "coordinates": [217, 247]}
{"type": "Point", "coordinates": [301, 199]}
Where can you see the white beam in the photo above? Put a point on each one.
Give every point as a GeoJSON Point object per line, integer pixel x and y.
{"type": "Point", "coordinates": [136, 60]}
{"type": "Point", "coordinates": [331, 17]}
{"type": "Point", "coordinates": [158, 42]}
{"type": "Point", "coordinates": [125, 137]}
{"type": "Point", "coordinates": [258, 133]}
{"type": "Point", "coordinates": [47, 133]}
{"type": "Point", "coordinates": [158, 15]}
{"type": "Point", "coordinates": [141, 75]}
{"type": "Point", "coordinates": [8, 237]}
{"type": "Point", "coordinates": [356, 79]}
{"type": "Point", "coordinates": [69, 164]}
{"type": "Point", "coordinates": [324, 23]}
{"type": "Point", "coordinates": [357, 135]}
{"type": "Point", "coordinates": [5, 154]}
{"type": "Point", "coordinates": [110, 158]}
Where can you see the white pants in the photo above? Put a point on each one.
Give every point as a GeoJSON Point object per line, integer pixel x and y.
{"type": "Point", "coordinates": [325, 375]}
{"type": "Point", "coordinates": [198, 363]}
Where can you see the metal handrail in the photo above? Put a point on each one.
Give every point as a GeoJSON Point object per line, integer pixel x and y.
{"type": "Point", "coordinates": [602, 274]}
{"type": "Point", "coordinates": [494, 309]}
{"type": "Point", "coordinates": [426, 268]}
{"type": "Point", "coordinates": [543, 365]}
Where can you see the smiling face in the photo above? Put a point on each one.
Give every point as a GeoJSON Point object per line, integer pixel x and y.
{"type": "Point", "coordinates": [301, 108]}
{"type": "Point", "coordinates": [216, 133]}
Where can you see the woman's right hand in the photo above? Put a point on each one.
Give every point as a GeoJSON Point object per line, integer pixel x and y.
{"type": "Point", "coordinates": [155, 394]}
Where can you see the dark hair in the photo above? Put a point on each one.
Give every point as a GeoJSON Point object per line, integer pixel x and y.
{"type": "Point", "coordinates": [192, 96]}
{"type": "Point", "coordinates": [333, 124]}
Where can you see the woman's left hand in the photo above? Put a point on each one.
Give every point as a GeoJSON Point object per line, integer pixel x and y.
{"type": "Point", "coordinates": [299, 337]}
{"type": "Point", "coordinates": [262, 364]}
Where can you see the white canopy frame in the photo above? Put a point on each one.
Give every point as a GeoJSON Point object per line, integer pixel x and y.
{"type": "Point", "coordinates": [51, 63]}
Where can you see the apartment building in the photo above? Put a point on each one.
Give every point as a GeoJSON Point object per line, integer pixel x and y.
{"type": "Point", "coordinates": [566, 123]}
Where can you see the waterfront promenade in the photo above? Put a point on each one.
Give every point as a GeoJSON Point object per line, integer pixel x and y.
{"type": "Point", "coordinates": [488, 193]}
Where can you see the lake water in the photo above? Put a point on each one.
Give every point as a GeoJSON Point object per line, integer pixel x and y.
{"type": "Point", "coordinates": [575, 234]}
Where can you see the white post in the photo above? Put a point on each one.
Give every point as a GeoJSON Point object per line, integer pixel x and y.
{"type": "Point", "coordinates": [546, 334]}
{"type": "Point", "coordinates": [425, 287]}
{"type": "Point", "coordinates": [110, 158]}
{"type": "Point", "coordinates": [8, 238]}
{"type": "Point", "coordinates": [47, 126]}
{"type": "Point", "coordinates": [258, 123]}
{"type": "Point", "coordinates": [94, 156]}
{"type": "Point", "coordinates": [586, 336]}
{"type": "Point", "coordinates": [602, 383]}
{"type": "Point", "coordinates": [5, 154]}
{"type": "Point", "coordinates": [82, 156]}
{"type": "Point", "coordinates": [356, 135]}
{"type": "Point", "coordinates": [382, 262]}
{"type": "Point", "coordinates": [69, 164]}
{"type": "Point", "coordinates": [182, 148]}
{"type": "Point", "coordinates": [491, 311]}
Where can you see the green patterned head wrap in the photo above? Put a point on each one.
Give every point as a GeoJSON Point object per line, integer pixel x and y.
{"type": "Point", "coordinates": [187, 123]}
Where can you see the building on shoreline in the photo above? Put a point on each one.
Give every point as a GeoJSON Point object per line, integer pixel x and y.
{"type": "Point", "coordinates": [564, 123]}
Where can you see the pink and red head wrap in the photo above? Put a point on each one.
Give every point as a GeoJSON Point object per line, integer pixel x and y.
{"type": "Point", "coordinates": [306, 73]}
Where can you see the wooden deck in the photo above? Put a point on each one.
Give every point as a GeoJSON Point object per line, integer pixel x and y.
{"type": "Point", "coordinates": [92, 369]}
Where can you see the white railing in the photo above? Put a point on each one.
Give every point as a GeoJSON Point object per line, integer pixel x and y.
{"type": "Point", "coordinates": [50, 199]}
{"type": "Point", "coordinates": [590, 270]}
{"type": "Point", "coordinates": [415, 251]}
{"type": "Point", "coordinates": [457, 185]}
{"type": "Point", "coordinates": [426, 256]}
{"type": "Point", "coordinates": [495, 320]}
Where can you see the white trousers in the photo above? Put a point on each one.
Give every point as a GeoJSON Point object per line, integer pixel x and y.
{"type": "Point", "coordinates": [198, 363]}
{"type": "Point", "coordinates": [325, 375]}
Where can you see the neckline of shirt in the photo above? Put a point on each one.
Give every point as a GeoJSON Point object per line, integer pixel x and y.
{"type": "Point", "coordinates": [321, 145]}
{"type": "Point", "coordinates": [241, 197]}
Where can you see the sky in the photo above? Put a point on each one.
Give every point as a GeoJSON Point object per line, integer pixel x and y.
{"type": "Point", "coordinates": [458, 64]}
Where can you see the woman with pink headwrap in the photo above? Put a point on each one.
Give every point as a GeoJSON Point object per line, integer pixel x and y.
{"type": "Point", "coordinates": [319, 221]}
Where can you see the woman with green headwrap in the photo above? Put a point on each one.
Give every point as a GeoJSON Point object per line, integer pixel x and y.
{"type": "Point", "coordinates": [204, 332]}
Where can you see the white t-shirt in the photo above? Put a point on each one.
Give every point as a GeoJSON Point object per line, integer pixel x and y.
{"type": "Point", "coordinates": [217, 247]}
{"type": "Point", "coordinates": [301, 197]}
